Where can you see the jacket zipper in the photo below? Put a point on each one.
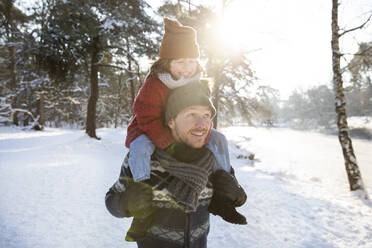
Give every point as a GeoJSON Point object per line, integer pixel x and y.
{"type": "Point", "coordinates": [187, 231]}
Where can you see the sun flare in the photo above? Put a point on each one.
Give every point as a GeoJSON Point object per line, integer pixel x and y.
{"type": "Point", "coordinates": [233, 32]}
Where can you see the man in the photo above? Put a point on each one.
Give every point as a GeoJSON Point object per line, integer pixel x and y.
{"type": "Point", "coordinates": [171, 209]}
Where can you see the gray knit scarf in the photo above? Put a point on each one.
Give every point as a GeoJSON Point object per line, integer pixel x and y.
{"type": "Point", "coordinates": [188, 180]}
{"type": "Point", "coordinates": [171, 83]}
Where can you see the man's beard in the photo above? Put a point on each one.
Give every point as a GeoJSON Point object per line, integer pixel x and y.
{"type": "Point", "coordinates": [184, 138]}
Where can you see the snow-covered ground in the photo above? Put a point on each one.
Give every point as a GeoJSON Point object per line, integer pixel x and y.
{"type": "Point", "coordinates": [53, 183]}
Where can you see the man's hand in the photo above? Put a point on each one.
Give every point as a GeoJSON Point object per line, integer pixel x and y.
{"type": "Point", "coordinates": [225, 209]}
{"type": "Point", "coordinates": [226, 185]}
{"type": "Point", "coordinates": [137, 199]}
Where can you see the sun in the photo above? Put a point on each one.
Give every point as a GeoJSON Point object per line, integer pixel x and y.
{"type": "Point", "coordinates": [234, 32]}
{"type": "Point", "coordinates": [231, 30]}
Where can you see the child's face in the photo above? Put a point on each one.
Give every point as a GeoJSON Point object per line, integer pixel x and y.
{"type": "Point", "coordinates": [183, 67]}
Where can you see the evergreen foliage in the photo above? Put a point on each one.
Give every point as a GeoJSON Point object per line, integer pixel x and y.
{"type": "Point", "coordinates": [59, 56]}
{"type": "Point", "coordinates": [54, 66]}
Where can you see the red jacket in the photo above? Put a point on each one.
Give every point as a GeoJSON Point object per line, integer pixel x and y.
{"type": "Point", "coordinates": [148, 109]}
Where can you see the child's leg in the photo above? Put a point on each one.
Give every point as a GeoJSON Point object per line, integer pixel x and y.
{"type": "Point", "coordinates": [140, 152]}
{"type": "Point", "coordinates": [217, 144]}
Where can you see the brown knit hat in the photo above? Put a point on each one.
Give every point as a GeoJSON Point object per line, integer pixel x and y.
{"type": "Point", "coordinates": [192, 94]}
{"type": "Point", "coordinates": [178, 41]}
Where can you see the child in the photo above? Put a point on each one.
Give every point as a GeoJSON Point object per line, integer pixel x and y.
{"type": "Point", "coordinates": [177, 66]}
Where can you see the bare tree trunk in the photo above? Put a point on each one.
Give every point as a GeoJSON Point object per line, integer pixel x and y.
{"type": "Point", "coordinates": [15, 115]}
{"type": "Point", "coordinates": [40, 110]}
{"type": "Point", "coordinates": [13, 81]}
{"type": "Point", "coordinates": [131, 83]}
{"type": "Point", "coordinates": [140, 80]}
{"type": "Point", "coordinates": [118, 104]}
{"type": "Point", "coordinates": [216, 95]}
{"type": "Point", "coordinates": [352, 169]}
{"type": "Point", "coordinates": [217, 84]}
{"type": "Point", "coordinates": [130, 74]}
{"type": "Point", "coordinates": [94, 92]}
{"type": "Point", "coordinates": [8, 5]}
{"type": "Point", "coordinates": [12, 68]}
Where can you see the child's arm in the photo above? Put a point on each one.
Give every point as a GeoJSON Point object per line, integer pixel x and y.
{"type": "Point", "coordinates": [149, 107]}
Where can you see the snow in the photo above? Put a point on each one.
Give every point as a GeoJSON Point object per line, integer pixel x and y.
{"type": "Point", "coordinates": [110, 24]}
{"type": "Point", "coordinates": [360, 122]}
{"type": "Point", "coordinates": [53, 185]}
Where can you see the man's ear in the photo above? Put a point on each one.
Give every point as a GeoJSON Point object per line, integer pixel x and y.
{"type": "Point", "coordinates": [171, 123]}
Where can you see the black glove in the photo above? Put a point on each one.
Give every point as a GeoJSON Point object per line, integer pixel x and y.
{"type": "Point", "coordinates": [225, 209]}
{"type": "Point", "coordinates": [226, 185]}
{"type": "Point", "coordinates": [137, 200]}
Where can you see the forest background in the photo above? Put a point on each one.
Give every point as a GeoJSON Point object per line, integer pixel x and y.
{"type": "Point", "coordinates": [80, 64]}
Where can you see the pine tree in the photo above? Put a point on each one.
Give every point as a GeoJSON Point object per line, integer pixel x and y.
{"type": "Point", "coordinates": [11, 20]}
{"type": "Point", "coordinates": [360, 68]}
{"type": "Point", "coordinates": [80, 36]}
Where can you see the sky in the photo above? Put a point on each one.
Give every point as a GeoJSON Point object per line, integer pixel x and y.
{"type": "Point", "coordinates": [290, 40]}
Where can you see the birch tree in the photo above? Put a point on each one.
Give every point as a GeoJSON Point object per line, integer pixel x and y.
{"type": "Point", "coordinates": [351, 165]}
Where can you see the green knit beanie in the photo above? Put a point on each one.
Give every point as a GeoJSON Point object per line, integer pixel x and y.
{"type": "Point", "coordinates": [192, 94]}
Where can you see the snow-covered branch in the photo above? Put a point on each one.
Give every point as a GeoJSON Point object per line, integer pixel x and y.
{"type": "Point", "coordinates": [116, 67]}
{"type": "Point", "coordinates": [356, 28]}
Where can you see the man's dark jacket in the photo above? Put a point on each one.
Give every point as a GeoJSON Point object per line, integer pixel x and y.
{"type": "Point", "coordinates": [168, 226]}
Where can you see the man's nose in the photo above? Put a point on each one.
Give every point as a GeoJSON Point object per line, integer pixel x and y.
{"type": "Point", "coordinates": [201, 122]}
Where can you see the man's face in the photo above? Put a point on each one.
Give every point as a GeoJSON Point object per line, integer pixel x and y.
{"type": "Point", "coordinates": [183, 67]}
{"type": "Point", "coordinates": [191, 126]}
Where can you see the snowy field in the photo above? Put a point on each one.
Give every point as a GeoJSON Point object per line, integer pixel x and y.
{"type": "Point", "coordinates": [53, 183]}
